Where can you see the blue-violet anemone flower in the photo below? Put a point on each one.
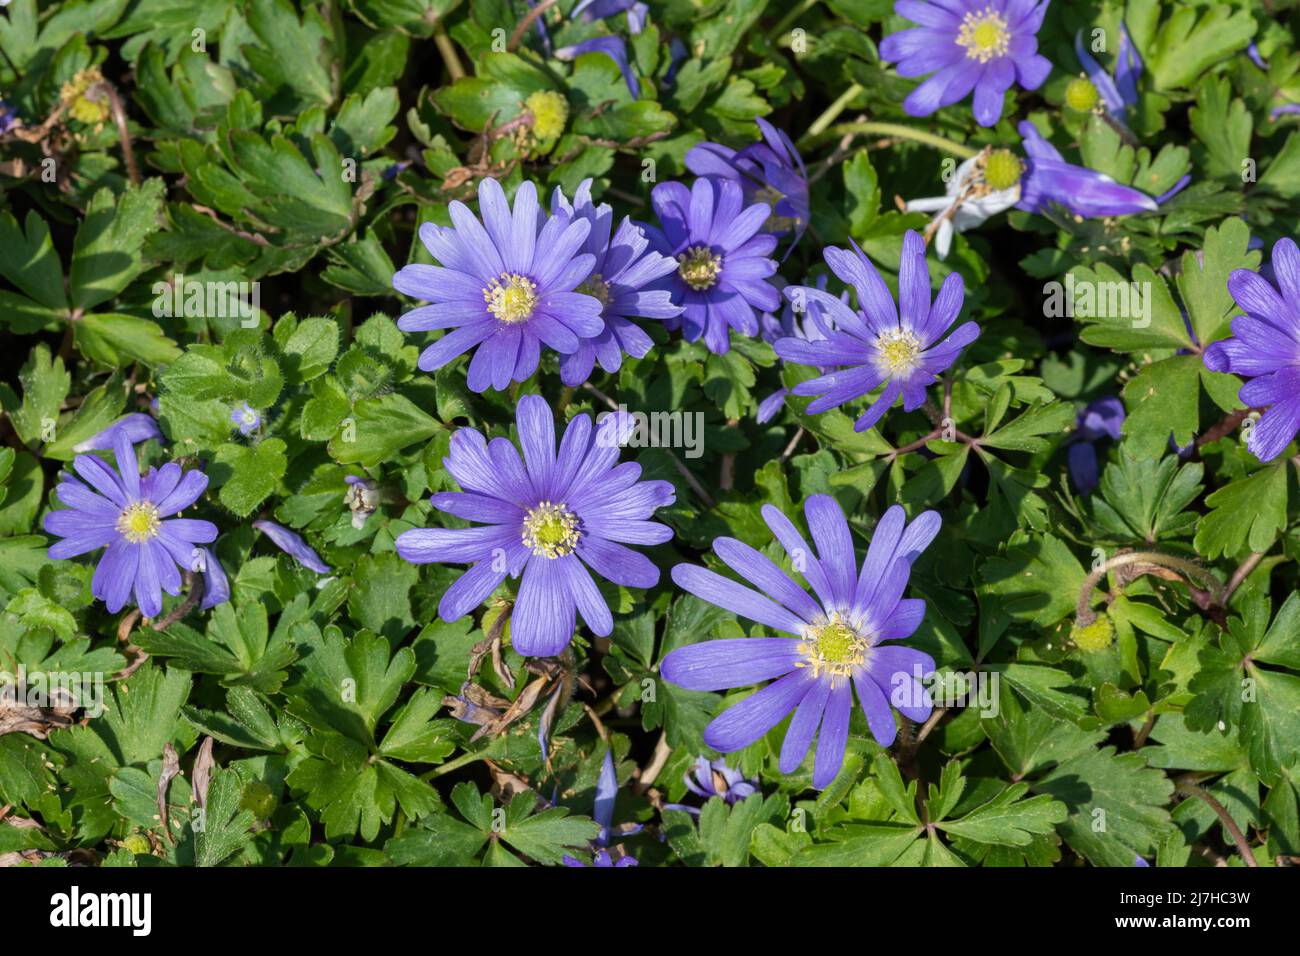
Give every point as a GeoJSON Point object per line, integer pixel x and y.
{"type": "Point", "coordinates": [603, 813]}
{"type": "Point", "coordinates": [548, 517]}
{"type": "Point", "coordinates": [1098, 89]}
{"type": "Point", "coordinates": [708, 779]}
{"type": "Point", "coordinates": [770, 171]}
{"type": "Point", "coordinates": [984, 45]}
{"type": "Point", "coordinates": [624, 268]}
{"type": "Point", "coordinates": [292, 544]}
{"type": "Point", "coordinates": [722, 258]}
{"type": "Point", "coordinates": [505, 285]}
{"type": "Point", "coordinates": [137, 426]}
{"type": "Point", "coordinates": [1265, 348]}
{"type": "Point", "coordinates": [878, 344]}
{"type": "Point", "coordinates": [801, 320]}
{"type": "Point", "coordinates": [839, 640]}
{"type": "Point", "coordinates": [131, 515]}
{"type": "Point", "coordinates": [1099, 420]}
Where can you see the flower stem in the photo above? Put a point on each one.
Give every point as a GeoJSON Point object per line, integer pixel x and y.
{"type": "Point", "coordinates": [835, 109]}
{"type": "Point", "coordinates": [1239, 838]}
{"type": "Point", "coordinates": [897, 130]}
{"type": "Point", "coordinates": [784, 23]}
{"type": "Point", "coordinates": [1188, 569]}
{"type": "Point", "coordinates": [448, 51]}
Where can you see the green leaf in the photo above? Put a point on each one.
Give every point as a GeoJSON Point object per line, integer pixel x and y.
{"type": "Point", "coordinates": [106, 255]}
{"type": "Point", "coordinates": [1245, 515]}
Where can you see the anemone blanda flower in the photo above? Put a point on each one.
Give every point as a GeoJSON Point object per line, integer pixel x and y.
{"type": "Point", "coordinates": [995, 180]}
{"type": "Point", "coordinates": [216, 586]}
{"type": "Point", "coordinates": [9, 118]}
{"type": "Point", "coordinates": [131, 515]}
{"type": "Point", "coordinates": [839, 641]}
{"type": "Point", "coordinates": [614, 47]}
{"type": "Point", "coordinates": [708, 779]}
{"type": "Point", "coordinates": [722, 259]}
{"type": "Point", "coordinates": [292, 544]}
{"type": "Point", "coordinates": [770, 171]}
{"type": "Point", "coordinates": [549, 517]}
{"type": "Point", "coordinates": [603, 813]}
{"type": "Point", "coordinates": [984, 45]}
{"type": "Point", "coordinates": [1099, 420]}
{"type": "Point", "coordinates": [137, 426]}
{"type": "Point", "coordinates": [624, 269]}
{"type": "Point", "coordinates": [506, 285]}
{"type": "Point", "coordinates": [1265, 348]}
{"type": "Point", "coordinates": [878, 344]}
{"type": "Point", "coordinates": [809, 322]}
{"type": "Point", "coordinates": [1114, 95]}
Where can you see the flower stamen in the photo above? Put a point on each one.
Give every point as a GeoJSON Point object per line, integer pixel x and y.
{"type": "Point", "coordinates": [898, 351]}
{"type": "Point", "coordinates": [984, 35]}
{"type": "Point", "coordinates": [139, 522]}
{"type": "Point", "coordinates": [551, 530]}
{"type": "Point", "coordinates": [833, 648]}
{"type": "Point", "coordinates": [699, 267]}
{"type": "Point", "coordinates": [511, 298]}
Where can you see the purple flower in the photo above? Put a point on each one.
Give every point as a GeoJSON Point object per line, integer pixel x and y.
{"type": "Point", "coordinates": [613, 47]}
{"type": "Point", "coordinates": [770, 172]}
{"type": "Point", "coordinates": [603, 814]}
{"type": "Point", "coordinates": [984, 45]}
{"type": "Point", "coordinates": [715, 779]}
{"type": "Point", "coordinates": [879, 344]}
{"type": "Point", "coordinates": [1256, 57]}
{"type": "Point", "coordinates": [505, 285]}
{"type": "Point", "coordinates": [1138, 861]}
{"type": "Point", "coordinates": [9, 118]}
{"type": "Point", "coordinates": [624, 268]}
{"type": "Point", "coordinates": [245, 418]}
{"type": "Point", "coordinates": [814, 326]}
{"type": "Point", "coordinates": [1286, 109]}
{"type": "Point", "coordinates": [1265, 348]}
{"type": "Point", "coordinates": [1099, 420]}
{"type": "Point", "coordinates": [216, 586]}
{"type": "Point", "coordinates": [839, 643]}
{"type": "Point", "coordinates": [126, 513]}
{"type": "Point", "coordinates": [722, 259]}
{"type": "Point", "coordinates": [1120, 93]}
{"type": "Point", "coordinates": [293, 545]}
{"type": "Point", "coordinates": [1049, 180]}
{"type": "Point", "coordinates": [548, 517]}
{"type": "Point", "coordinates": [137, 427]}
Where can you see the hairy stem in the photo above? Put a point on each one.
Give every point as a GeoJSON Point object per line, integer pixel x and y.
{"type": "Point", "coordinates": [1188, 569]}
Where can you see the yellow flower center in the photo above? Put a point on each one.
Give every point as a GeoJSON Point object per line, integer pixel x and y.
{"type": "Point", "coordinates": [833, 648]}
{"type": "Point", "coordinates": [984, 35]}
{"type": "Point", "coordinates": [511, 298]}
{"type": "Point", "coordinates": [897, 351]}
{"type": "Point", "coordinates": [597, 288]}
{"type": "Point", "coordinates": [699, 267]}
{"type": "Point", "coordinates": [139, 522]}
{"type": "Point", "coordinates": [1096, 636]}
{"type": "Point", "coordinates": [550, 113]}
{"type": "Point", "coordinates": [1002, 169]}
{"type": "Point", "coordinates": [551, 530]}
{"type": "Point", "coordinates": [85, 97]}
{"type": "Point", "coordinates": [1081, 96]}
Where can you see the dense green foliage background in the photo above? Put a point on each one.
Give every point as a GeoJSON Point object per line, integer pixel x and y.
{"type": "Point", "coordinates": [300, 146]}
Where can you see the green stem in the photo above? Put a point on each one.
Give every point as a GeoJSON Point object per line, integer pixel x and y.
{"type": "Point", "coordinates": [1188, 569]}
{"type": "Point", "coordinates": [463, 760]}
{"type": "Point", "coordinates": [832, 111]}
{"type": "Point", "coordinates": [789, 18]}
{"type": "Point", "coordinates": [897, 130]}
